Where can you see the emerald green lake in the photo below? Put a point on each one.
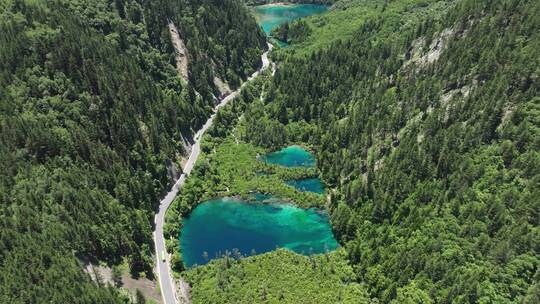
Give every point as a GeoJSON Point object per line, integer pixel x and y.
{"type": "Point", "coordinates": [292, 156]}
{"type": "Point", "coordinates": [224, 224]}
{"type": "Point", "coordinates": [309, 184]}
{"type": "Point", "coordinates": [271, 16]}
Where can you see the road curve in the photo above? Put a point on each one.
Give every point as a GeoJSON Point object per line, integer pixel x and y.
{"type": "Point", "coordinates": [165, 279]}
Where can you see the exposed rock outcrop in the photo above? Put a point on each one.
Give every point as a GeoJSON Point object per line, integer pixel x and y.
{"type": "Point", "coordinates": [182, 55]}
{"type": "Point", "coordinates": [420, 54]}
{"type": "Point", "coordinates": [222, 86]}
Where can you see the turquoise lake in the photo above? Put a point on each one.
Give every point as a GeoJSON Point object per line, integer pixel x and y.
{"type": "Point", "coordinates": [292, 156]}
{"type": "Point", "coordinates": [271, 16]}
{"type": "Point", "coordinates": [225, 224]}
{"type": "Point", "coordinates": [309, 184]}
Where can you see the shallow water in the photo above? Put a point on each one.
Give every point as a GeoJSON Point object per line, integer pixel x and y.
{"type": "Point", "coordinates": [308, 185]}
{"type": "Point", "coordinates": [271, 16]}
{"type": "Point", "coordinates": [292, 156]}
{"type": "Point", "coordinates": [227, 223]}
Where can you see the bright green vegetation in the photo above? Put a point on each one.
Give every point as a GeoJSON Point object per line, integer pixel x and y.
{"type": "Point", "coordinates": [347, 17]}
{"type": "Point", "coordinates": [230, 166]}
{"type": "Point", "coordinates": [230, 225]}
{"type": "Point", "coordinates": [280, 276]}
{"type": "Point", "coordinates": [423, 115]}
{"type": "Point", "coordinates": [91, 110]}
{"type": "Point", "coordinates": [426, 123]}
{"type": "Point", "coordinates": [232, 169]}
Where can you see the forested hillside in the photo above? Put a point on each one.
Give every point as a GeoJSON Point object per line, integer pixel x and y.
{"type": "Point", "coordinates": [91, 109]}
{"type": "Point", "coordinates": [222, 38]}
{"type": "Point", "coordinates": [428, 127]}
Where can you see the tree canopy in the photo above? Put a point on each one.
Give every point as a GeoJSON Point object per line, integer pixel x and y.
{"type": "Point", "coordinates": [428, 128]}
{"type": "Point", "coordinates": [91, 111]}
{"type": "Point", "coordinates": [424, 119]}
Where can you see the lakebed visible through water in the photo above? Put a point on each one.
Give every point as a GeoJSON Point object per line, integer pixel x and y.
{"type": "Point", "coordinates": [260, 224]}
{"type": "Point", "coordinates": [296, 156]}
{"type": "Point", "coordinates": [271, 16]}
{"type": "Point", "coordinates": [242, 228]}
{"type": "Point", "coordinates": [292, 156]}
{"type": "Point", "coordinates": [228, 224]}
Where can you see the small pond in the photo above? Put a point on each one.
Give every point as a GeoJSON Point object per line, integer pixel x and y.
{"type": "Point", "coordinates": [225, 224]}
{"type": "Point", "coordinates": [271, 16]}
{"type": "Point", "coordinates": [292, 156]}
{"type": "Point", "coordinates": [308, 185]}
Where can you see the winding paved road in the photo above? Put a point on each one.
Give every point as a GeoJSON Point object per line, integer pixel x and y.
{"type": "Point", "coordinates": [165, 280]}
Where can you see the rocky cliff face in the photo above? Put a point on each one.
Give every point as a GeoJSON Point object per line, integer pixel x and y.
{"type": "Point", "coordinates": [181, 52]}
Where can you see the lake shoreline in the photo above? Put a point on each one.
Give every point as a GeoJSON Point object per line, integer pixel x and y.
{"type": "Point", "coordinates": [262, 225]}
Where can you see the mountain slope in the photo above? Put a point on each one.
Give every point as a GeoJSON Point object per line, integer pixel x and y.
{"type": "Point", "coordinates": [429, 131]}
{"type": "Point", "coordinates": [91, 110]}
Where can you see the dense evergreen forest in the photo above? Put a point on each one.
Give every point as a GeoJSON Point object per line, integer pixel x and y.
{"type": "Point", "coordinates": [424, 116]}
{"type": "Point", "coordinates": [91, 110]}
{"type": "Point", "coordinates": [429, 131]}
